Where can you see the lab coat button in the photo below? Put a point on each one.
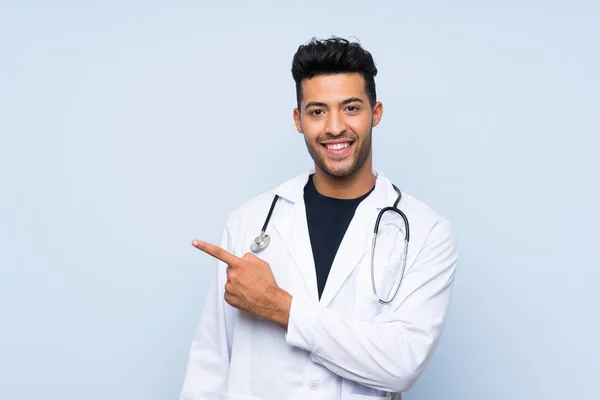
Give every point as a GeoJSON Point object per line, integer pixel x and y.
{"type": "Point", "coordinates": [313, 385]}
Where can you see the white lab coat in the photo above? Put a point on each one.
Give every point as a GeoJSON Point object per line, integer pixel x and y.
{"type": "Point", "coordinates": [345, 346]}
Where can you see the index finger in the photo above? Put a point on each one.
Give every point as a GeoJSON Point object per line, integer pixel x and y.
{"type": "Point", "coordinates": [217, 252]}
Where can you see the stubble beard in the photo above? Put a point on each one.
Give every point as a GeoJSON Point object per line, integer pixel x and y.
{"type": "Point", "coordinates": [357, 163]}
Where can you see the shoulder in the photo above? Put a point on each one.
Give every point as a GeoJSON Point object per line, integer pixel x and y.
{"type": "Point", "coordinates": [257, 207]}
{"type": "Point", "coordinates": [419, 211]}
{"type": "Point", "coordinates": [426, 223]}
{"type": "Point", "coordinates": [433, 232]}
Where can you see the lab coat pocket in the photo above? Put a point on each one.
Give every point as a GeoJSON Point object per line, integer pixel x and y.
{"type": "Point", "coordinates": [386, 280]}
{"type": "Point", "coordinates": [366, 306]}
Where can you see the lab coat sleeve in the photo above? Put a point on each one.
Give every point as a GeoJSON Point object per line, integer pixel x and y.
{"type": "Point", "coordinates": [389, 352]}
{"type": "Point", "coordinates": [208, 363]}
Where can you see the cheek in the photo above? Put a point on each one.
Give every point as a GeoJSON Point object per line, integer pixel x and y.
{"type": "Point", "coordinates": [360, 125]}
{"type": "Point", "coordinates": [312, 131]}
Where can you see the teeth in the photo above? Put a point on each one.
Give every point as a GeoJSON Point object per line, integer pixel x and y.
{"type": "Point", "coordinates": [338, 146]}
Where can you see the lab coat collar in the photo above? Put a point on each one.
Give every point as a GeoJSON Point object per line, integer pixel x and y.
{"type": "Point", "coordinates": [384, 194]}
{"type": "Point", "coordinates": [293, 228]}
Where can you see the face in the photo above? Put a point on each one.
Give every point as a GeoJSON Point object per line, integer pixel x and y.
{"type": "Point", "coordinates": [337, 120]}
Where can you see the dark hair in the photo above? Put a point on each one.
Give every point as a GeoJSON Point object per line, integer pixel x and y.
{"type": "Point", "coordinates": [332, 56]}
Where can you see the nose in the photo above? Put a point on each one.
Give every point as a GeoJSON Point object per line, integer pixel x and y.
{"type": "Point", "coordinates": [336, 125]}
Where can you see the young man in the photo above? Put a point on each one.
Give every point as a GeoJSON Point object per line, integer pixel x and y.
{"type": "Point", "coordinates": [300, 319]}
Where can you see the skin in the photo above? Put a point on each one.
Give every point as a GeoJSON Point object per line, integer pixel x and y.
{"type": "Point", "coordinates": [334, 108]}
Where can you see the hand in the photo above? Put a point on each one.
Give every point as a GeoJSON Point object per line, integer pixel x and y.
{"type": "Point", "coordinates": [251, 286]}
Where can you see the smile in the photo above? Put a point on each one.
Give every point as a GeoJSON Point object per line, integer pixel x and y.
{"type": "Point", "coordinates": [337, 146]}
{"type": "Point", "coordinates": [338, 149]}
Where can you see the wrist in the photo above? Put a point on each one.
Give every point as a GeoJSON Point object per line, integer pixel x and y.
{"type": "Point", "coordinates": [281, 302]}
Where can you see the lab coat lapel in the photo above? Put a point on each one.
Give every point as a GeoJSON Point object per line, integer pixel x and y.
{"type": "Point", "coordinates": [351, 251]}
{"type": "Point", "coordinates": [293, 229]}
{"type": "Point", "coordinates": [356, 243]}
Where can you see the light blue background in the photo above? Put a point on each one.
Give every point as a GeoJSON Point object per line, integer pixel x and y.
{"type": "Point", "coordinates": [128, 129]}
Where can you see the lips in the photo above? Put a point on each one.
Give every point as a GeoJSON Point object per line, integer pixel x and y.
{"type": "Point", "coordinates": [338, 149]}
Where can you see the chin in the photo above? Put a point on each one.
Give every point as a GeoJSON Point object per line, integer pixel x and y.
{"type": "Point", "coordinates": [339, 172]}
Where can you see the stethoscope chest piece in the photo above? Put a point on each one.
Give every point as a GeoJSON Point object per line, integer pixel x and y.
{"type": "Point", "coordinates": [260, 243]}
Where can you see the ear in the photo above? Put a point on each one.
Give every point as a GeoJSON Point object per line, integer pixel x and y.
{"type": "Point", "coordinates": [377, 113]}
{"type": "Point", "coordinates": [297, 120]}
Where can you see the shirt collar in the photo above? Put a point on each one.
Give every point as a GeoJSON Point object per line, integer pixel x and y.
{"type": "Point", "coordinates": [382, 196]}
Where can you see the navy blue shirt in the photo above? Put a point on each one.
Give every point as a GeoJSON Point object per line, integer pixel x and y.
{"type": "Point", "coordinates": [328, 219]}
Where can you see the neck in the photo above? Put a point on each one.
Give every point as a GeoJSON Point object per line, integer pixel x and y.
{"type": "Point", "coordinates": [348, 187]}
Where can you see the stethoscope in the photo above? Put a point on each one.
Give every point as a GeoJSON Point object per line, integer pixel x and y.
{"type": "Point", "coordinates": [263, 239]}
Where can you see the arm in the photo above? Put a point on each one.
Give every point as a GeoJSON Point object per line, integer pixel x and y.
{"type": "Point", "coordinates": [389, 353]}
{"type": "Point", "coordinates": [208, 364]}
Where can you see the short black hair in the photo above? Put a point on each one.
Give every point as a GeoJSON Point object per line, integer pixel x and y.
{"type": "Point", "coordinates": [332, 56]}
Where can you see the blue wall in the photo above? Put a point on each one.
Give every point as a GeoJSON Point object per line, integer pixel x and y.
{"type": "Point", "coordinates": [128, 129]}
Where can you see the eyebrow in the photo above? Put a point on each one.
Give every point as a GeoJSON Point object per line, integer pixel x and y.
{"type": "Point", "coordinates": [342, 103]}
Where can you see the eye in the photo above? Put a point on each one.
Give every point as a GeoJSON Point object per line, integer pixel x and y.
{"type": "Point", "coordinates": [352, 108]}
{"type": "Point", "coordinates": [316, 112]}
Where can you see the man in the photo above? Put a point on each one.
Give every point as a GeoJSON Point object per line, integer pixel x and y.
{"type": "Point", "coordinates": [300, 318]}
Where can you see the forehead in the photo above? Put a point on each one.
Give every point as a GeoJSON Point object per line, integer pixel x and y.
{"type": "Point", "coordinates": [333, 88]}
